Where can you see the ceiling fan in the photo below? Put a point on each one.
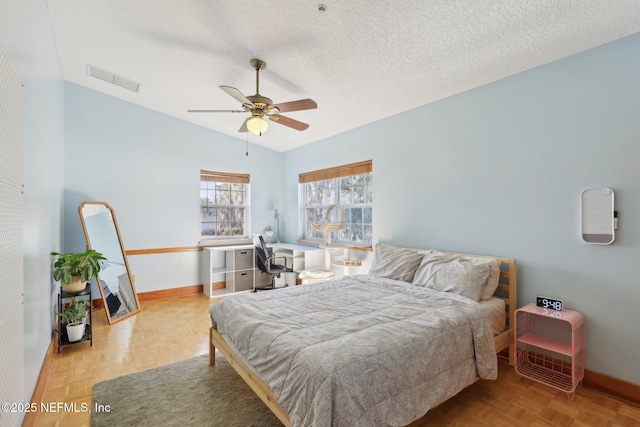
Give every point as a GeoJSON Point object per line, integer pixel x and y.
{"type": "Point", "coordinates": [260, 106]}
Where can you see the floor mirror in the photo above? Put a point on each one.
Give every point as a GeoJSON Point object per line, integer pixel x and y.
{"type": "Point", "coordinates": [115, 282]}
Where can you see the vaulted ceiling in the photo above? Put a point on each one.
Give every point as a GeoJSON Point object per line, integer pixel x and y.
{"type": "Point", "coordinates": [361, 61]}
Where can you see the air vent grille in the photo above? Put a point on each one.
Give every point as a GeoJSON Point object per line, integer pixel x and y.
{"type": "Point", "coordinates": [127, 83]}
{"type": "Point", "coordinates": [112, 78]}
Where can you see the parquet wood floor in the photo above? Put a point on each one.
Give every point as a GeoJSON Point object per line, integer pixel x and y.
{"type": "Point", "coordinates": [169, 330]}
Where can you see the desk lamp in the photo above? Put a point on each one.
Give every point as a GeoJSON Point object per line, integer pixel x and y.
{"type": "Point", "coordinates": [276, 216]}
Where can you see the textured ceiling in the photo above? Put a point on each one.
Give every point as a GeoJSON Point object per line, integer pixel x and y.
{"type": "Point", "coordinates": [360, 61]}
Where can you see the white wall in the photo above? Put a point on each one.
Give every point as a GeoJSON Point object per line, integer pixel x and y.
{"type": "Point", "coordinates": [499, 171]}
{"type": "Point", "coordinates": [25, 34]}
{"type": "Point", "coordinates": [146, 165]}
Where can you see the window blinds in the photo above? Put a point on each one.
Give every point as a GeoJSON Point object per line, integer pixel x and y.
{"type": "Point", "coordinates": [236, 178]}
{"type": "Point", "coordinates": [337, 172]}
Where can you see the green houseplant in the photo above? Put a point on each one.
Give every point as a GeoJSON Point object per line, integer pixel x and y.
{"type": "Point", "coordinates": [74, 270]}
{"type": "Point", "coordinates": [74, 315]}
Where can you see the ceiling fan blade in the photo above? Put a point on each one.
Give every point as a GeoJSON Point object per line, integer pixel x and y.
{"type": "Point", "coordinates": [243, 128]}
{"type": "Point", "coordinates": [216, 111]}
{"type": "Point", "coordinates": [237, 95]}
{"type": "Point", "coordinates": [288, 122]}
{"type": "Point", "coordinates": [301, 104]}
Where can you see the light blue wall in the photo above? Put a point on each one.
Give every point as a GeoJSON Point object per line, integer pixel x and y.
{"type": "Point", "coordinates": [499, 170]}
{"type": "Point", "coordinates": [25, 34]}
{"type": "Point", "coordinates": [146, 165]}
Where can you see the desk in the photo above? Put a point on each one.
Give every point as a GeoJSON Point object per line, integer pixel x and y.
{"type": "Point", "coordinates": [232, 268]}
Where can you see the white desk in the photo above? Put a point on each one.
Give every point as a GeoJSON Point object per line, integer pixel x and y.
{"type": "Point", "coordinates": [235, 266]}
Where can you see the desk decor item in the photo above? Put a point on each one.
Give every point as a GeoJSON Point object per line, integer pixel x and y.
{"type": "Point", "coordinates": [550, 303]}
{"type": "Point", "coordinates": [269, 232]}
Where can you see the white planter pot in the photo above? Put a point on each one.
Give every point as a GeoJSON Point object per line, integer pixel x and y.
{"type": "Point", "coordinates": [75, 332]}
{"type": "Point", "coordinates": [77, 286]}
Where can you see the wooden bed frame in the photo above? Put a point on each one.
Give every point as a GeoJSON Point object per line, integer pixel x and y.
{"type": "Point", "coordinates": [507, 291]}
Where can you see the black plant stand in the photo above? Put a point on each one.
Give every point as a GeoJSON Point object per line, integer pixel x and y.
{"type": "Point", "coordinates": [63, 298]}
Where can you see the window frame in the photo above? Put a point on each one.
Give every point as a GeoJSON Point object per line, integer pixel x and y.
{"type": "Point", "coordinates": [225, 179]}
{"type": "Point", "coordinates": [338, 175]}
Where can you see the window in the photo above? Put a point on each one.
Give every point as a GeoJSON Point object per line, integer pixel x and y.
{"type": "Point", "coordinates": [224, 205]}
{"type": "Point", "coordinates": [349, 186]}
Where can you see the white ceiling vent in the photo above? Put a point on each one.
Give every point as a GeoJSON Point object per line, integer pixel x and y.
{"type": "Point", "coordinates": [110, 77]}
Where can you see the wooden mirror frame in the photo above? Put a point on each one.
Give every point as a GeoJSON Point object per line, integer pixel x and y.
{"type": "Point", "coordinates": [111, 319]}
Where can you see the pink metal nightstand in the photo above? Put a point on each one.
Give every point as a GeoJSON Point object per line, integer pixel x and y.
{"type": "Point", "coordinates": [550, 347]}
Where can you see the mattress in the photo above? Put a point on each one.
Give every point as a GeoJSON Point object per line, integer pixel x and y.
{"type": "Point", "coordinates": [496, 308]}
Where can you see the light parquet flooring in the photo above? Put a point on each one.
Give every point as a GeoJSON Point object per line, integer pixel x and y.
{"type": "Point", "coordinates": [173, 329]}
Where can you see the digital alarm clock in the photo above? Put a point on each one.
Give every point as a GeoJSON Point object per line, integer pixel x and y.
{"type": "Point", "coordinates": [553, 304]}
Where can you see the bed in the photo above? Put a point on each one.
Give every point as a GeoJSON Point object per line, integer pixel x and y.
{"type": "Point", "coordinates": [373, 349]}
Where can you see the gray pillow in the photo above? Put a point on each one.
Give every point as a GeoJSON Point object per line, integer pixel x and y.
{"type": "Point", "coordinates": [463, 275]}
{"type": "Point", "coordinates": [393, 262]}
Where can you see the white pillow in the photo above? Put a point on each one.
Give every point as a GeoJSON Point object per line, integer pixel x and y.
{"type": "Point", "coordinates": [492, 281]}
{"type": "Point", "coordinates": [458, 274]}
{"type": "Point", "coordinates": [393, 262]}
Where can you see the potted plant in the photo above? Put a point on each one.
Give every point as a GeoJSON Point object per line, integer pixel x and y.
{"type": "Point", "coordinates": [76, 269]}
{"type": "Point", "coordinates": [74, 315]}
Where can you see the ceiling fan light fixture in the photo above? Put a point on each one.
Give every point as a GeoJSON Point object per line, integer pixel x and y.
{"type": "Point", "coordinates": [257, 125]}
{"type": "Point", "coordinates": [259, 106]}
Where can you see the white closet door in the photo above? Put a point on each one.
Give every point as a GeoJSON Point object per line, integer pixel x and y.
{"type": "Point", "coordinates": [11, 252]}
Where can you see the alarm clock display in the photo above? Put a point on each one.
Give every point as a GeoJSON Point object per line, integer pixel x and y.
{"type": "Point", "coordinates": [550, 303]}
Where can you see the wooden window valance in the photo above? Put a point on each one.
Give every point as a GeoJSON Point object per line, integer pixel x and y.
{"type": "Point", "coordinates": [237, 178]}
{"type": "Point", "coordinates": [337, 172]}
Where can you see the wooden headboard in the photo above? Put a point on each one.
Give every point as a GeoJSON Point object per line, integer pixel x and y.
{"type": "Point", "coordinates": [508, 291]}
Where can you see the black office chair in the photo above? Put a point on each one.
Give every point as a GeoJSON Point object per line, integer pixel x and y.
{"type": "Point", "coordinates": [266, 262]}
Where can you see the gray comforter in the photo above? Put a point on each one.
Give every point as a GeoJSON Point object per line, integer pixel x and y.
{"type": "Point", "coordinates": [361, 351]}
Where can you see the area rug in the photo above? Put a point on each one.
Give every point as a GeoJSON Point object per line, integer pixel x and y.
{"type": "Point", "coordinates": [186, 393]}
